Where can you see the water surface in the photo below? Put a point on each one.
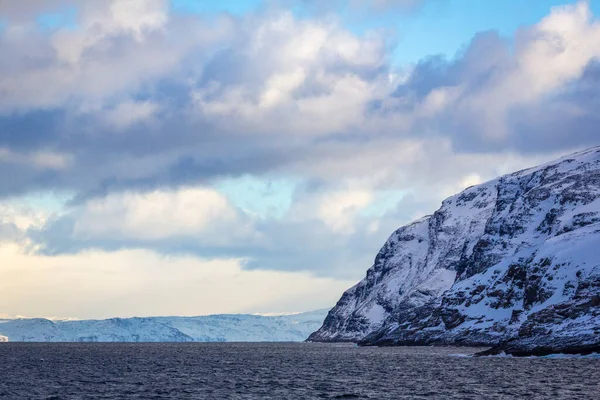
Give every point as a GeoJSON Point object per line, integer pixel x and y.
{"type": "Point", "coordinates": [283, 371]}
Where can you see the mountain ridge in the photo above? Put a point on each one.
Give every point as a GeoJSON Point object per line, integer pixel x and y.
{"type": "Point", "coordinates": [504, 263]}
{"type": "Point", "coordinates": [210, 328]}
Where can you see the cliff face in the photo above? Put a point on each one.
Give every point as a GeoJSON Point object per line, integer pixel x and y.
{"type": "Point", "coordinates": [514, 261]}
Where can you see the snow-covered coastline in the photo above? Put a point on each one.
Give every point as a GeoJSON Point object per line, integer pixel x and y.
{"type": "Point", "coordinates": [211, 328]}
{"type": "Point", "coordinates": [511, 263]}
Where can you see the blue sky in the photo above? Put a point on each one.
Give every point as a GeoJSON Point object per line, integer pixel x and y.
{"type": "Point", "coordinates": [253, 156]}
{"type": "Point", "coordinates": [435, 27]}
{"type": "Point", "coordinates": [446, 26]}
{"type": "Point", "coordinates": [238, 7]}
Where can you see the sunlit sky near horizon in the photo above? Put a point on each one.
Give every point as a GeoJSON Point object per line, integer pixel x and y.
{"type": "Point", "coordinates": [192, 157]}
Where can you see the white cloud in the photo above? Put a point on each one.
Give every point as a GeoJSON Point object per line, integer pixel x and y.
{"type": "Point", "coordinates": [305, 78]}
{"type": "Point", "coordinates": [38, 159]}
{"type": "Point", "coordinates": [339, 209]}
{"type": "Point", "coordinates": [100, 20]}
{"type": "Point", "coordinates": [195, 101]}
{"type": "Point", "coordinates": [279, 87]}
{"type": "Point", "coordinates": [336, 208]}
{"type": "Point", "coordinates": [142, 283]}
{"type": "Point", "coordinates": [21, 216]}
{"type": "Point", "coordinates": [558, 49]}
{"type": "Point", "coordinates": [115, 47]}
{"type": "Point", "coordinates": [129, 112]}
{"type": "Point", "coordinates": [159, 215]}
{"type": "Point", "coordinates": [494, 80]}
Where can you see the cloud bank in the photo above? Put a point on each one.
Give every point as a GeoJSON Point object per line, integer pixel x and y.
{"type": "Point", "coordinates": [138, 113]}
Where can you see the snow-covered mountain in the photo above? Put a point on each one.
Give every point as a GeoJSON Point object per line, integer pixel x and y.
{"type": "Point", "coordinates": [212, 328]}
{"type": "Point", "coordinates": [514, 261]}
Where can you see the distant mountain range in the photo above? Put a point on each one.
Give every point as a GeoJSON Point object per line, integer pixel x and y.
{"type": "Point", "coordinates": [212, 328]}
{"type": "Point", "coordinates": [512, 263]}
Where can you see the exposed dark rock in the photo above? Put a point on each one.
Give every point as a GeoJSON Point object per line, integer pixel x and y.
{"type": "Point", "coordinates": [514, 262]}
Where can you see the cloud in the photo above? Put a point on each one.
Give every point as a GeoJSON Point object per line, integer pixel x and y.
{"type": "Point", "coordinates": [330, 229]}
{"type": "Point", "coordinates": [39, 159]}
{"type": "Point", "coordinates": [491, 95]}
{"type": "Point", "coordinates": [129, 113]}
{"type": "Point", "coordinates": [107, 93]}
{"type": "Point", "coordinates": [142, 283]}
{"type": "Point", "coordinates": [360, 6]}
{"type": "Point", "coordinates": [8, 232]}
{"type": "Point", "coordinates": [168, 99]}
{"type": "Point", "coordinates": [202, 222]}
{"type": "Point", "coordinates": [26, 11]}
{"type": "Point", "coordinates": [154, 215]}
{"type": "Point", "coordinates": [141, 113]}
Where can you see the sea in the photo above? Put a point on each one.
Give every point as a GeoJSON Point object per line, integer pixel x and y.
{"type": "Point", "coordinates": [57, 371]}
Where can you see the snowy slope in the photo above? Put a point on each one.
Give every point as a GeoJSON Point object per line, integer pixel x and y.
{"type": "Point", "coordinates": [212, 328]}
{"type": "Point", "coordinates": [514, 260]}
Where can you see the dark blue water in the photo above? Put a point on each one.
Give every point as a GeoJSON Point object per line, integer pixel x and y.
{"type": "Point", "coordinates": [282, 371]}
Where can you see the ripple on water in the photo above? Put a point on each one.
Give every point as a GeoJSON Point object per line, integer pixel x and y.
{"type": "Point", "coordinates": [283, 371]}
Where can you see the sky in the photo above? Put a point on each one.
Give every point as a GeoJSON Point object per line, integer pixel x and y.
{"type": "Point", "coordinates": [251, 156]}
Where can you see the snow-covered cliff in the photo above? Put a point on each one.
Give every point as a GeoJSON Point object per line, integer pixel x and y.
{"type": "Point", "coordinates": [212, 328]}
{"type": "Point", "coordinates": [514, 261]}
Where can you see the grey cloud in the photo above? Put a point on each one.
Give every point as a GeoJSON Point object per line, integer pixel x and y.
{"type": "Point", "coordinates": [561, 120]}
{"type": "Point", "coordinates": [9, 232]}
{"type": "Point", "coordinates": [271, 94]}
{"type": "Point", "coordinates": [293, 242]}
{"type": "Point", "coordinates": [26, 10]}
{"type": "Point", "coordinates": [487, 114]}
{"type": "Point", "coordinates": [285, 245]}
{"type": "Point", "coordinates": [187, 144]}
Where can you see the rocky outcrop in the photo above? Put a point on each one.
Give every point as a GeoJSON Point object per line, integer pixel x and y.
{"type": "Point", "coordinates": [514, 262]}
